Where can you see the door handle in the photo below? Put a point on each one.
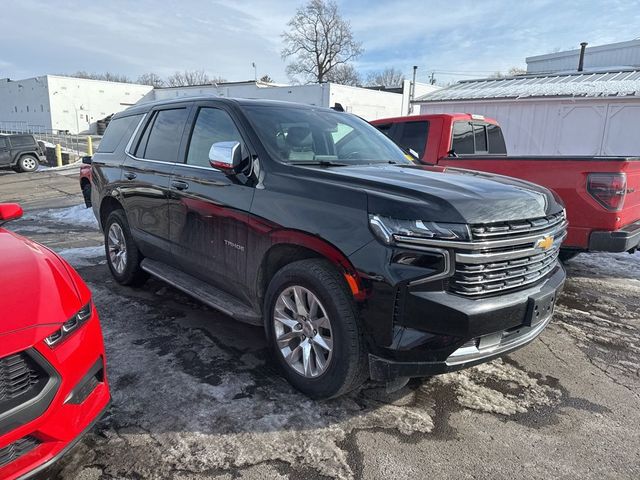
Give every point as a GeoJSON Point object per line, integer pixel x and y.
{"type": "Point", "coordinates": [179, 185]}
{"type": "Point", "coordinates": [129, 175]}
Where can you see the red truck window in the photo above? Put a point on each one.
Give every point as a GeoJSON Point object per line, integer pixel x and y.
{"type": "Point", "coordinates": [480, 137]}
{"type": "Point", "coordinates": [462, 143]}
{"type": "Point", "coordinates": [412, 135]}
{"type": "Point", "coordinates": [496, 140]}
{"type": "Point", "coordinates": [477, 139]}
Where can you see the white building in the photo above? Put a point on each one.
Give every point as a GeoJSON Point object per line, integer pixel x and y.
{"type": "Point", "coordinates": [59, 103]}
{"type": "Point", "coordinates": [621, 55]}
{"type": "Point", "coordinates": [564, 114]}
{"type": "Point", "coordinates": [368, 103]}
{"type": "Point", "coordinates": [558, 110]}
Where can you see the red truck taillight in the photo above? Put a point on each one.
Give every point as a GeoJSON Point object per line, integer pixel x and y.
{"type": "Point", "coordinates": [608, 189]}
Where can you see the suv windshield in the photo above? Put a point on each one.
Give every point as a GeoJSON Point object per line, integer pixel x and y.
{"type": "Point", "coordinates": [315, 136]}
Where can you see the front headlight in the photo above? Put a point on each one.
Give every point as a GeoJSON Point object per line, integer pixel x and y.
{"type": "Point", "coordinates": [70, 326]}
{"type": "Point", "coordinates": [387, 229]}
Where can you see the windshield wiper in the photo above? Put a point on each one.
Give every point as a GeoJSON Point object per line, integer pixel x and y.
{"type": "Point", "coordinates": [322, 163]}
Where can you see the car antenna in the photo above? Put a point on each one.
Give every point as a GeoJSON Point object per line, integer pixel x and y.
{"type": "Point", "coordinates": [337, 107]}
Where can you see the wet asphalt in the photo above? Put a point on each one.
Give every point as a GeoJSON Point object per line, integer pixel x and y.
{"type": "Point", "coordinates": [195, 394]}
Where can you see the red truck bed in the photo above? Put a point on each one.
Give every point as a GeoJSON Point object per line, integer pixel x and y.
{"type": "Point", "coordinates": [601, 194]}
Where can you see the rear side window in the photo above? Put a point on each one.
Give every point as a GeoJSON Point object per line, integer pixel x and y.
{"type": "Point", "coordinates": [161, 139]}
{"type": "Point", "coordinates": [412, 135]}
{"type": "Point", "coordinates": [116, 131]}
{"type": "Point", "coordinates": [462, 139]}
{"type": "Point", "coordinates": [3, 142]}
{"type": "Point", "coordinates": [496, 140]}
{"type": "Point", "coordinates": [22, 141]}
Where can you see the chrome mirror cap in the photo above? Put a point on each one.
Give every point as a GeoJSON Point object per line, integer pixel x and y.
{"type": "Point", "coordinates": [225, 155]}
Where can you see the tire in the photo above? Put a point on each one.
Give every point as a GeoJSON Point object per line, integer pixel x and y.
{"type": "Point", "coordinates": [124, 263]}
{"type": "Point", "coordinates": [566, 255]}
{"type": "Point", "coordinates": [345, 362]}
{"type": "Point", "coordinates": [28, 163]}
{"type": "Point", "coordinates": [86, 193]}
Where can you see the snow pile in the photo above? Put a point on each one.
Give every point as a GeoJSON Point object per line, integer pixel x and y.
{"type": "Point", "coordinates": [498, 387]}
{"type": "Point", "coordinates": [76, 215]}
{"type": "Point", "coordinates": [83, 256]}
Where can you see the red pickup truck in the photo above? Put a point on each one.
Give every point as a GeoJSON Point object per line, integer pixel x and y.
{"type": "Point", "coordinates": [601, 194]}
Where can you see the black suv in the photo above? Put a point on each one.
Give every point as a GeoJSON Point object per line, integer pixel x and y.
{"type": "Point", "coordinates": [20, 152]}
{"type": "Point", "coordinates": [311, 223]}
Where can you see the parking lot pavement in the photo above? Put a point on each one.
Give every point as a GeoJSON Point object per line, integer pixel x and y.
{"type": "Point", "coordinates": [196, 396]}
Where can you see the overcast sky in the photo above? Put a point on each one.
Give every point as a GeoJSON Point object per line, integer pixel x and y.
{"type": "Point", "coordinates": [467, 38]}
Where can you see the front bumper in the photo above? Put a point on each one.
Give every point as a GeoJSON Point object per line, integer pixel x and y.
{"type": "Point", "coordinates": [627, 238]}
{"type": "Point", "coordinates": [81, 397]}
{"type": "Point", "coordinates": [463, 332]}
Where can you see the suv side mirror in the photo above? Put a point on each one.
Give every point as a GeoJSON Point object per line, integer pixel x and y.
{"type": "Point", "coordinates": [225, 155]}
{"type": "Point", "coordinates": [9, 211]}
{"type": "Point", "coordinates": [87, 160]}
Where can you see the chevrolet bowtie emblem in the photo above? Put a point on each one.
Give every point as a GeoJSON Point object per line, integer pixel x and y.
{"type": "Point", "coordinates": [545, 243]}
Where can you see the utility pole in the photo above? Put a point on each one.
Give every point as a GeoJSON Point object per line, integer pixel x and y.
{"type": "Point", "coordinates": [432, 79]}
{"type": "Point", "coordinates": [412, 90]}
{"type": "Point", "coordinates": [255, 71]}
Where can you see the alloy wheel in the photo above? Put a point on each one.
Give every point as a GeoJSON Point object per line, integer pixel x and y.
{"type": "Point", "coordinates": [302, 331]}
{"type": "Point", "coordinates": [117, 248]}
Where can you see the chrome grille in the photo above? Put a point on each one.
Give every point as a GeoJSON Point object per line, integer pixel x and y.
{"type": "Point", "coordinates": [502, 230]}
{"type": "Point", "coordinates": [505, 256]}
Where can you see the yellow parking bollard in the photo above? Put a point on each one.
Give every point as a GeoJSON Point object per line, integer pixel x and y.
{"type": "Point", "coordinates": [58, 155]}
{"type": "Point", "coordinates": [90, 146]}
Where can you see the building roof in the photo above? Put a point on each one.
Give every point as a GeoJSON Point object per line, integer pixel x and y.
{"type": "Point", "coordinates": [619, 83]}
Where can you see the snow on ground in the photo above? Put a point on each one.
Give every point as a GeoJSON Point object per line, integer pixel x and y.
{"type": "Point", "coordinates": [83, 256]}
{"type": "Point", "coordinates": [77, 215]}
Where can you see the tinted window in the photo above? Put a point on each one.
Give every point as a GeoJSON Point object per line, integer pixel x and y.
{"type": "Point", "coordinates": [22, 140]}
{"type": "Point", "coordinates": [496, 140]}
{"type": "Point", "coordinates": [313, 135]}
{"type": "Point", "coordinates": [116, 131]}
{"type": "Point", "coordinates": [212, 125]}
{"type": "Point", "coordinates": [386, 128]}
{"type": "Point", "coordinates": [162, 138]}
{"type": "Point", "coordinates": [412, 135]}
{"type": "Point", "coordinates": [3, 142]}
{"type": "Point", "coordinates": [480, 134]}
{"type": "Point", "coordinates": [462, 138]}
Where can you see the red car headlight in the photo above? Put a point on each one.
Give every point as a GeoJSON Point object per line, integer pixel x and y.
{"type": "Point", "coordinates": [70, 326]}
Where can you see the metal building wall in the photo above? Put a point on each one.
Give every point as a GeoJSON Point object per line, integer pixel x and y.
{"type": "Point", "coordinates": [622, 54]}
{"type": "Point", "coordinates": [559, 127]}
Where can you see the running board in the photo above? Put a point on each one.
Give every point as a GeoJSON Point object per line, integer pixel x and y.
{"type": "Point", "coordinates": [200, 290]}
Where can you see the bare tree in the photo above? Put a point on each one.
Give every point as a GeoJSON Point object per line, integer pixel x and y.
{"type": "Point", "coordinates": [512, 72]}
{"type": "Point", "coordinates": [319, 41]}
{"type": "Point", "coordinates": [344, 75]}
{"type": "Point", "coordinates": [192, 77]}
{"type": "Point", "coordinates": [151, 78]}
{"type": "Point", "coordinates": [107, 76]}
{"type": "Point", "coordinates": [389, 77]}
{"type": "Point", "coordinates": [266, 79]}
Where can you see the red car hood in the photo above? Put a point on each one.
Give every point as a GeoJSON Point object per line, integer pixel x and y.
{"type": "Point", "coordinates": [36, 286]}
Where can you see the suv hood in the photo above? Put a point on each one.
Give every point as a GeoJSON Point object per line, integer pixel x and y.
{"type": "Point", "coordinates": [451, 195]}
{"type": "Point", "coordinates": [37, 288]}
